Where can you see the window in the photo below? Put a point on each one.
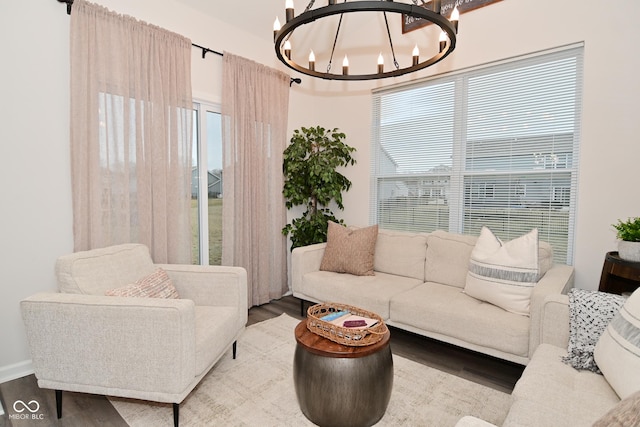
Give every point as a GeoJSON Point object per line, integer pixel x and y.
{"type": "Point", "coordinates": [206, 185]}
{"type": "Point", "coordinates": [495, 146]}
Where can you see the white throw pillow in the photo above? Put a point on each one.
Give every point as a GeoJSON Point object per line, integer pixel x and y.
{"type": "Point", "coordinates": [617, 352]}
{"type": "Point", "coordinates": [504, 274]}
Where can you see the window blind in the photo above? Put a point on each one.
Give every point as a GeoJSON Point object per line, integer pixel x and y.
{"type": "Point", "coordinates": [496, 146]}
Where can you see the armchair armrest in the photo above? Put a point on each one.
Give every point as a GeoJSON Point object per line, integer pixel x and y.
{"type": "Point", "coordinates": [104, 344]}
{"type": "Point", "coordinates": [557, 281]}
{"type": "Point", "coordinates": [210, 285]}
{"type": "Point", "coordinates": [305, 259]}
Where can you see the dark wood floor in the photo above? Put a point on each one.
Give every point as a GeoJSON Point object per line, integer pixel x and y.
{"type": "Point", "coordinates": [85, 410]}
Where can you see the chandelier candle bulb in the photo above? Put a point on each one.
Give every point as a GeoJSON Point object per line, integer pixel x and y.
{"type": "Point", "coordinates": [380, 64]}
{"type": "Point", "coordinates": [276, 27]}
{"type": "Point", "coordinates": [455, 17]}
{"type": "Point", "coordinates": [416, 55]}
{"type": "Point", "coordinates": [443, 41]}
{"type": "Point", "coordinates": [345, 66]}
{"type": "Point", "coordinates": [312, 61]}
{"type": "Point", "coordinates": [289, 10]}
{"type": "Point", "coordinates": [287, 49]}
{"type": "Point", "coordinates": [437, 6]}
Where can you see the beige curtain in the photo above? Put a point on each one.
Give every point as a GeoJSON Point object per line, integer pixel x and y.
{"type": "Point", "coordinates": [255, 101]}
{"type": "Point", "coordinates": [131, 125]}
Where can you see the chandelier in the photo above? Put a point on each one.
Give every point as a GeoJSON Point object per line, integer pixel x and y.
{"type": "Point", "coordinates": [430, 13]}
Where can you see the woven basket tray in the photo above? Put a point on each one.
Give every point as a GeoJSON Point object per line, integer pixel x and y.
{"type": "Point", "coordinates": [346, 336]}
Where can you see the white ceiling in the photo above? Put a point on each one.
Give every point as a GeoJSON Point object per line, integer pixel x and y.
{"type": "Point", "coordinates": [258, 14]}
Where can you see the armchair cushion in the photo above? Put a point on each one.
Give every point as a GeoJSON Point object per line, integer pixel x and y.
{"type": "Point", "coordinates": [93, 272]}
{"type": "Point", "coordinates": [155, 285]}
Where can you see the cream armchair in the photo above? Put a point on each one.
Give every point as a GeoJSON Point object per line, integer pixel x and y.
{"type": "Point", "coordinates": [142, 348]}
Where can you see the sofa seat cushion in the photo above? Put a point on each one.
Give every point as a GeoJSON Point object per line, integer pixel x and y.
{"type": "Point", "coordinates": [551, 393]}
{"type": "Point", "coordinates": [368, 292]}
{"type": "Point", "coordinates": [448, 311]}
{"type": "Point", "coordinates": [215, 328]}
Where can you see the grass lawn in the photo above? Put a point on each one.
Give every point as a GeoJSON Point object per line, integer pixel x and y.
{"type": "Point", "coordinates": [215, 231]}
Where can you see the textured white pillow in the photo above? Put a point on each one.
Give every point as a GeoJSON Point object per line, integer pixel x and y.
{"type": "Point", "coordinates": [504, 274]}
{"type": "Point", "coordinates": [617, 352]}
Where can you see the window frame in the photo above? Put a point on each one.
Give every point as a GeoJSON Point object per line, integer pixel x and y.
{"type": "Point", "coordinates": [460, 174]}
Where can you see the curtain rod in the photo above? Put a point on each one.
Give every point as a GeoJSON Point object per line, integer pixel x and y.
{"type": "Point", "coordinates": [205, 50]}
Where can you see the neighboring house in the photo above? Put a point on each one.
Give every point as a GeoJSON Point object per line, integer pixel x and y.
{"type": "Point", "coordinates": [214, 183]}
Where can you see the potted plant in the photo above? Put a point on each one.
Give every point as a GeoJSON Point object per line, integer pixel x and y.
{"type": "Point", "coordinates": [628, 233]}
{"type": "Point", "coordinates": [311, 179]}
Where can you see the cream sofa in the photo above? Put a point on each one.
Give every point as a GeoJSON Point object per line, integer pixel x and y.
{"type": "Point", "coordinates": [551, 393]}
{"type": "Point", "coordinates": [144, 348]}
{"type": "Point", "coordinates": [418, 286]}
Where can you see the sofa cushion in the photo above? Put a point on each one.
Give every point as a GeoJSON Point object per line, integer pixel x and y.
{"type": "Point", "coordinates": [401, 253]}
{"type": "Point", "coordinates": [624, 414]}
{"type": "Point", "coordinates": [553, 393]}
{"type": "Point", "coordinates": [446, 310]}
{"type": "Point", "coordinates": [98, 270]}
{"type": "Point", "coordinates": [155, 285]}
{"type": "Point", "coordinates": [368, 292]}
{"type": "Point", "coordinates": [350, 250]}
{"type": "Point", "coordinates": [215, 330]}
{"type": "Point", "coordinates": [617, 352]}
{"type": "Point", "coordinates": [590, 312]}
{"type": "Point", "coordinates": [448, 258]}
{"type": "Point", "coordinates": [504, 273]}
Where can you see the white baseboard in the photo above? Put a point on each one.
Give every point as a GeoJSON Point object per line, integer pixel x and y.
{"type": "Point", "coordinates": [17, 370]}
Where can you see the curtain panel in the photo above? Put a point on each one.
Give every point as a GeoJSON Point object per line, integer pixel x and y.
{"type": "Point", "coordinates": [131, 130]}
{"type": "Point", "coordinates": [255, 102]}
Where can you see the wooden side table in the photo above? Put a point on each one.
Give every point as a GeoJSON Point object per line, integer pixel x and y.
{"type": "Point", "coordinates": [618, 275]}
{"type": "Point", "coordinates": [338, 385]}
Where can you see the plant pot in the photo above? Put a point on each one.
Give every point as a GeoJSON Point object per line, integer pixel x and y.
{"type": "Point", "coordinates": [629, 251]}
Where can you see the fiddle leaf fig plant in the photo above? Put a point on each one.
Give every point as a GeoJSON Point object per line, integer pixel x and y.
{"type": "Point", "coordinates": [311, 179]}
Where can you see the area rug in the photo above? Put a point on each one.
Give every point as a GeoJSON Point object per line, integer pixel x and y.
{"type": "Point", "coordinates": [257, 389]}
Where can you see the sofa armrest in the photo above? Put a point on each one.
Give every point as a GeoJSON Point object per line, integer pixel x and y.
{"type": "Point", "coordinates": [95, 343]}
{"type": "Point", "coordinates": [555, 321]}
{"type": "Point", "coordinates": [211, 285]}
{"type": "Point", "coordinates": [305, 259]}
{"type": "Point", "coordinates": [557, 281]}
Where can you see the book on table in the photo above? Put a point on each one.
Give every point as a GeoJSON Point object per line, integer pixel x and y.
{"type": "Point", "coordinates": [349, 320]}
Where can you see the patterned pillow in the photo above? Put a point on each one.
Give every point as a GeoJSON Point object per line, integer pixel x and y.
{"type": "Point", "coordinates": [156, 285]}
{"type": "Point", "coordinates": [590, 312]}
{"type": "Point", "coordinates": [624, 414]}
{"type": "Point", "coordinates": [350, 251]}
{"type": "Point", "coordinates": [617, 352]}
{"type": "Point", "coordinates": [504, 274]}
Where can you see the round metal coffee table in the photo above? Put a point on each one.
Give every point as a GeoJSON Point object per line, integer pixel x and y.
{"type": "Point", "coordinates": [338, 385]}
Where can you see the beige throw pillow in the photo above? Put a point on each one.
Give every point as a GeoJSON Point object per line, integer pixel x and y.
{"type": "Point", "coordinates": [350, 251]}
{"type": "Point", "coordinates": [617, 352]}
{"type": "Point", "coordinates": [504, 273]}
{"type": "Point", "coordinates": [156, 285]}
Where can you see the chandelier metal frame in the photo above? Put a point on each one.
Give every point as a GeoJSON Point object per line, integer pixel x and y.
{"type": "Point", "coordinates": [412, 10]}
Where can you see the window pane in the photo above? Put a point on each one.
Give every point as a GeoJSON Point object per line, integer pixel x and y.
{"type": "Point", "coordinates": [195, 181]}
{"type": "Point", "coordinates": [214, 162]}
